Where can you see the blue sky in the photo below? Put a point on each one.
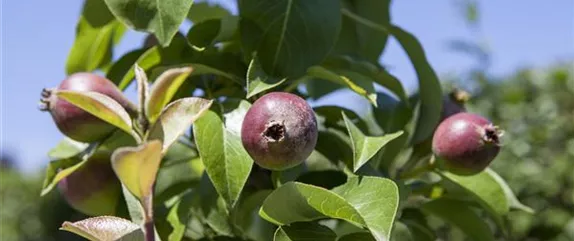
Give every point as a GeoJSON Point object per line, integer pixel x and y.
{"type": "Point", "coordinates": [35, 40]}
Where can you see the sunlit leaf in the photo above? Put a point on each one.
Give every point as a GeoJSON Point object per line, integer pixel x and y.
{"type": "Point", "coordinates": [365, 147]}
{"type": "Point", "coordinates": [370, 202]}
{"type": "Point", "coordinates": [137, 167]}
{"type": "Point", "coordinates": [219, 144]}
{"type": "Point", "coordinates": [163, 89]}
{"type": "Point", "coordinates": [92, 46]}
{"type": "Point", "coordinates": [176, 118]}
{"type": "Point", "coordinates": [162, 18]}
{"type": "Point", "coordinates": [99, 105]}
{"type": "Point", "coordinates": [258, 81]}
{"type": "Point", "coordinates": [150, 58]}
{"type": "Point", "coordinates": [105, 228]}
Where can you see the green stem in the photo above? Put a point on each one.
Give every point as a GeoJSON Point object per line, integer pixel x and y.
{"type": "Point", "coordinates": [276, 179]}
{"type": "Point", "coordinates": [364, 21]}
{"type": "Point", "coordinates": [418, 171]}
{"type": "Point", "coordinates": [149, 229]}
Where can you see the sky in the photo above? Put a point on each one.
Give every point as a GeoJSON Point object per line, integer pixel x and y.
{"type": "Point", "coordinates": [35, 40]}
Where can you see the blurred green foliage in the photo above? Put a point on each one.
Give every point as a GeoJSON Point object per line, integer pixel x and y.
{"type": "Point", "coordinates": [535, 107]}
{"type": "Point", "coordinates": [25, 216]}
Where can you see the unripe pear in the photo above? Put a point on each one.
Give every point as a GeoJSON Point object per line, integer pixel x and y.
{"type": "Point", "coordinates": [93, 189]}
{"type": "Point", "coordinates": [74, 122]}
{"type": "Point", "coordinates": [279, 131]}
{"type": "Point", "coordinates": [466, 143]}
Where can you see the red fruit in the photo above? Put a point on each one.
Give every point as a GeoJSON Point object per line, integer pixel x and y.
{"type": "Point", "coordinates": [93, 189]}
{"type": "Point", "coordinates": [279, 131]}
{"type": "Point", "coordinates": [75, 122]}
{"type": "Point", "coordinates": [466, 143]}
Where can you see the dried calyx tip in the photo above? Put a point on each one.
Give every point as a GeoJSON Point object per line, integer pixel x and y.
{"type": "Point", "coordinates": [275, 131]}
{"type": "Point", "coordinates": [459, 95]}
{"type": "Point", "coordinates": [492, 134]}
{"type": "Point", "coordinates": [46, 94]}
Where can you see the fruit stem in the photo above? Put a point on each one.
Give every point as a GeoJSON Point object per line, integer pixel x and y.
{"type": "Point", "coordinates": [147, 203]}
{"type": "Point", "coordinates": [419, 170]}
{"type": "Point", "coordinates": [276, 179]}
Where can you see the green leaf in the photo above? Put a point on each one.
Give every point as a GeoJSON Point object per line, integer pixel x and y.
{"type": "Point", "coordinates": [335, 146]}
{"type": "Point", "coordinates": [58, 170]}
{"type": "Point", "coordinates": [358, 83]}
{"type": "Point", "coordinates": [163, 89]}
{"type": "Point", "coordinates": [317, 88]}
{"type": "Point", "coordinates": [304, 231]}
{"type": "Point", "coordinates": [510, 197]}
{"type": "Point", "coordinates": [417, 223]}
{"type": "Point", "coordinates": [460, 215]}
{"type": "Point", "coordinates": [176, 118]}
{"type": "Point", "coordinates": [370, 202]}
{"type": "Point", "coordinates": [359, 236]}
{"type": "Point", "coordinates": [209, 32]}
{"type": "Point", "coordinates": [99, 105]}
{"type": "Point", "coordinates": [368, 69]}
{"type": "Point", "coordinates": [365, 147]}
{"type": "Point", "coordinates": [203, 11]}
{"type": "Point", "coordinates": [392, 114]}
{"type": "Point", "coordinates": [67, 148]}
{"type": "Point", "coordinates": [334, 119]}
{"type": "Point", "coordinates": [135, 209]}
{"type": "Point", "coordinates": [176, 178]}
{"type": "Point", "coordinates": [105, 228]}
{"type": "Point", "coordinates": [162, 18]}
{"type": "Point", "coordinates": [245, 216]}
{"type": "Point", "coordinates": [137, 167]}
{"type": "Point", "coordinates": [258, 81]}
{"type": "Point", "coordinates": [356, 38]}
{"type": "Point", "coordinates": [376, 199]}
{"type": "Point", "coordinates": [92, 47]}
{"type": "Point", "coordinates": [219, 144]}
{"type": "Point", "coordinates": [325, 178]}
{"type": "Point", "coordinates": [178, 217]}
{"type": "Point", "coordinates": [96, 13]}
{"type": "Point", "coordinates": [123, 65]}
{"type": "Point", "coordinates": [298, 202]}
{"type": "Point", "coordinates": [429, 86]}
{"type": "Point", "coordinates": [485, 189]}
{"type": "Point", "coordinates": [149, 59]}
{"type": "Point", "coordinates": [289, 36]}
{"type": "Point", "coordinates": [67, 157]}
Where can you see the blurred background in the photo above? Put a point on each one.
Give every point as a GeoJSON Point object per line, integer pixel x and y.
{"type": "Point", "coordinates": [515, 58]}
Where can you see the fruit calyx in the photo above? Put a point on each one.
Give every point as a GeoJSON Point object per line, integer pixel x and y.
{"type": "Point", "coordinates": [492, 134]}
{"type": "Point", "coordinates": [274, 131]}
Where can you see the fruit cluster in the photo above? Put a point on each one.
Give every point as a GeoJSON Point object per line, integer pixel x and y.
{"type": "Point", "coordinates": [279, 132]}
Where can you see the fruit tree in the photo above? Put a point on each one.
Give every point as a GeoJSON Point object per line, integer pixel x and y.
{"type": "Point", "coordinates": [222, 143]}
